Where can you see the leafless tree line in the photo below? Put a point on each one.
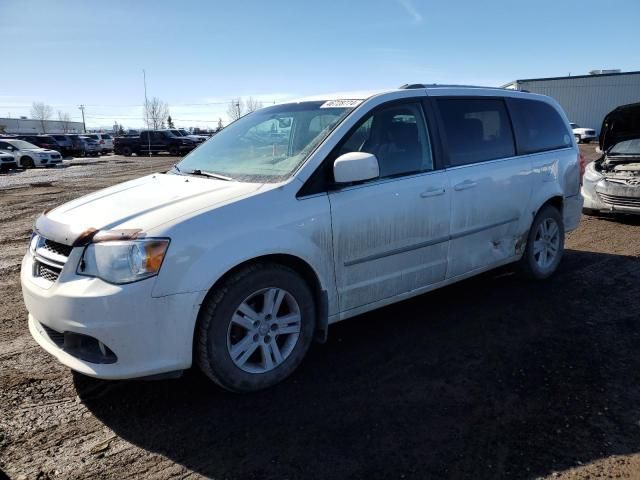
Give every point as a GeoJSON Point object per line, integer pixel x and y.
{"type": "Point", "coordinates": [238, 107]}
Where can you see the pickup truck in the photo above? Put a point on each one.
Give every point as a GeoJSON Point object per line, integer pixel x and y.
{"type": "Point", "coordinates": [153, 141]}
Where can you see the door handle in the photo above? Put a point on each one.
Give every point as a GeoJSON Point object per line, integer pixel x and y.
{"type": "Point", "coordinates": [465, 185]}
{"type": "Point", "coordinates": [432, 192]}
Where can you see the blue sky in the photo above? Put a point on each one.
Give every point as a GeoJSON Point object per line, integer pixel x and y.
{"type": "Point", "coordinates": [66, 52]}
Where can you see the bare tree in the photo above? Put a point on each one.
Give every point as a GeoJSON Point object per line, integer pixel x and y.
{"type": "Point", "coordinates": [236, 108]}
{"type": "Point", "coordinates": [64, 120]}
{"type": "Point", "coordinates": [251, 105]}
{"type": "Point", "coordinates": [42, 112]}
{"type": "Point", "coordinates": [155, 113]}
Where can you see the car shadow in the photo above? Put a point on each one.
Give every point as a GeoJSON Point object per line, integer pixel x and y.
{"type": "Point", "coordinates": [494, 377]}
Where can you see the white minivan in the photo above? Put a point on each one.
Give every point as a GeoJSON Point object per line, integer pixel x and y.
{"type": "Point", "coordinates": [297, 216]}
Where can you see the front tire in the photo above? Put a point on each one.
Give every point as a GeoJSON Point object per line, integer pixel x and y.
{"type": "Point", "coordinates": [27, 162]}
{"type": "Point", "coordinates": [545, 244]}
{"type": "Point", "coordinates": [174, 151]}
{"type": "Point", "coordinates": [254, 330]}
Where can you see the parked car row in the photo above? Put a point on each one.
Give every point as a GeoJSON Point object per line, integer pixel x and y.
{"type": "Point", "coordinates": [77, 145]}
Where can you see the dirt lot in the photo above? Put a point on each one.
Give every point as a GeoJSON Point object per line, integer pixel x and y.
{"type": "Point", "coordinates": [495, 377]}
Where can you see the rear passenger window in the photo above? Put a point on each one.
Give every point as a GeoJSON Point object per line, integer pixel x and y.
{"type": "Point", "coordinates": [476, 129]}
{"type": "Point", "coordinates": [538, 126]}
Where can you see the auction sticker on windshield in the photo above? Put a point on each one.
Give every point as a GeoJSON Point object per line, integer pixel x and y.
{"type": "Point", "coordinates": [341, 103]}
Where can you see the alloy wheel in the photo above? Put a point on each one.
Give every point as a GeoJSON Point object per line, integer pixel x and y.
{"type": "Point", "coordinates": [546, 244]}
{"type": "Point", "coordinates": [264, 330]}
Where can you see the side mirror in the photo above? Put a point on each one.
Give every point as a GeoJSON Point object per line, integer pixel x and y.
{"type": "Point", "coordinates": [355, 167]}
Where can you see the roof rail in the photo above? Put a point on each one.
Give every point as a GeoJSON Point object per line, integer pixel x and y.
{"type": "Point", "coordinates": [408, 86]}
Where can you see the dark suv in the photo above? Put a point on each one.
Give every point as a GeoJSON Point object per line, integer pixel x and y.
{"type": "Point", "coordinates": [42, 141]}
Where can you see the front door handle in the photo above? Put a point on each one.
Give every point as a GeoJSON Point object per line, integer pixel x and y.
{"type": "Point", "coordinates": [433, 192]}
{"type": "Point", "coordinates": [465, 185]}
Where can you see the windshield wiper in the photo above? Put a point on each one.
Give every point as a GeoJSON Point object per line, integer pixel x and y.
{"type": "Point", "coordinates": [203, 173]}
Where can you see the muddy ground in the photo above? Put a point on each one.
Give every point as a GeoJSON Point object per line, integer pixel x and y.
{"type": "Point", "coordinates": [494, 377]}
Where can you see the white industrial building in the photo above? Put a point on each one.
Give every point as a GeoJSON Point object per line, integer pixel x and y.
{"type": "Point", "coordinates": [587, 98]}
{"type": "Point", "coordinates": [27, 125]}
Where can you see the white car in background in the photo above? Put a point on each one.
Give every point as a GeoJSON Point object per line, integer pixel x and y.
{"type": "Point", "coordinates": [583, 135]}
{"type": "Point", "coordinates": [104, 140]}
{"type": "Point", "coordinates": [29, 155]}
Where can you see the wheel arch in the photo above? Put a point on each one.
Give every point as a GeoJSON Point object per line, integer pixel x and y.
{"type": "Point", "coordinates": [556, 201]}
{"type": "Point", "coordinates": [298, 265]}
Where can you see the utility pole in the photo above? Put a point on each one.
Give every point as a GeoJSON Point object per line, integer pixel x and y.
{"type": "Point", "coordinates": [146, 105]}
{"type": "Point", "coordinates": [84, 125]}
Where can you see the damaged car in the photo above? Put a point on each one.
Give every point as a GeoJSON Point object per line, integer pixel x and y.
{"type": "Point", "coordinates": [611, 184]}
{"type": "Point", "coordinates": [297, 216]}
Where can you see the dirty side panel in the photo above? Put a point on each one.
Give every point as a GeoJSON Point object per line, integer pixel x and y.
{"type": "Point", "coordinates": [488, 213]}
{"type": "Point", "coordinates": [389, 238]}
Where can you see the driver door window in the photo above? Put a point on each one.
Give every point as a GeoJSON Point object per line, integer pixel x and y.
{"type": "Point", "coordinates": [397, 136]}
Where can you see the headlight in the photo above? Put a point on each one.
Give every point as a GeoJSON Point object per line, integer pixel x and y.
{"type": "Point", "coordinates": [591, 175]}
{"type": "Point", "coordinates": [33, 242]}
{"type": "Point", "coordinates": [123, 261]}
{"type": "Point", "coordinates": [43, 155]}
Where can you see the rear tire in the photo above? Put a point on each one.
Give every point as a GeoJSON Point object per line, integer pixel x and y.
{"type": "Point", "coordinates": [254, 330]}
{"type": "Point", "coordinates": [578, 139]}
{"type": "Point", "coordinates": [545, 244]}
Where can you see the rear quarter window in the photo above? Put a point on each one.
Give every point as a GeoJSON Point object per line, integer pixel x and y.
{"type": "Point", "coordinates": [538, 126]}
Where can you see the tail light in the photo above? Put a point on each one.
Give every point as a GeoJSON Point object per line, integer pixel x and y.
{"type": "Point", "coordinates": [583, 165]}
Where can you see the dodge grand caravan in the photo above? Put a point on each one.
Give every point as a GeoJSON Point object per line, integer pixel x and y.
{"type": "Point", "coordinates": [297, 216]}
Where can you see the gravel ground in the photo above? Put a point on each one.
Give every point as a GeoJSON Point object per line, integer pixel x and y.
{"type": "Point", "coordinates": [516, 380]}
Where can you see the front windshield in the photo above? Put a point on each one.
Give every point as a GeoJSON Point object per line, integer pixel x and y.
{"type": "Point", "coordinates": [628, 147]}
{"type": "Point", "coordinates": [183, 132]}
{"type": "Point", "coordinates": [176, 133]}
{"type": "Point", "coordinates": [268, 144]}
{"type": "Point", "coordinates": [22, 145]}
{"type": "Point", "coordinates": [574, 125]}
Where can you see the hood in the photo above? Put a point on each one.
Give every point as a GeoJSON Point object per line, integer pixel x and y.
{"type": "Point", "coordinates": [620, 124]}
{"type": "Point", "coordinates": [142, 204]}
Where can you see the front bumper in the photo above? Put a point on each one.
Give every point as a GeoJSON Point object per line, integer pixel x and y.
{"type": "Point", "coordinates": [148, 335]}
{"type": "Point", "coordinates": [609, 197]}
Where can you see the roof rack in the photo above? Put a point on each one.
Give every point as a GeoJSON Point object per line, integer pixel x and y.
{"type": "Point", "coordinates": [408, 86]}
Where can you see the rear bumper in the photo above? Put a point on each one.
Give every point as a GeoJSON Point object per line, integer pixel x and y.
{"type": "Point", "coordinates": [572, 212]}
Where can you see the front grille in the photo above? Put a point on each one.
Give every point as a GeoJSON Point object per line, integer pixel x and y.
{"type": "Point", "coordinates": [55, 156]}
{"type": "Point", "coordinates": [50, 258]}
{"type": "Point", "coordinates": [47, 271]}
{"type": "Point", "coordinates": [620, 200]}
{"type": "Point", "coordinates": [57, 248]}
